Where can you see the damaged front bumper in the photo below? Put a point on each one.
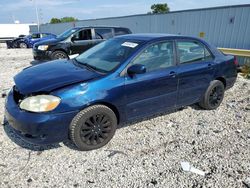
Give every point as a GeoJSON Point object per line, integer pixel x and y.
{"type": "Point", "coordinates": [37, 128]}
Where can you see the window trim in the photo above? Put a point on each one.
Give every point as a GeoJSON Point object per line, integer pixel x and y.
{"type": "Point", "coordinates": [124, 71]}
{"type": "Point", "coordinates": [195, 41]}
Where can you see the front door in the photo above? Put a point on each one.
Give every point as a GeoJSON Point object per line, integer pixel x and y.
{"type": "Point", "coordinates": [81, 41]}
{"type": "Point", "coordinates": [155, 90]}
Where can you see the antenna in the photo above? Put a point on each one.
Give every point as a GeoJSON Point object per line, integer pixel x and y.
{"type": "Point", "coordinates": [37, 15]}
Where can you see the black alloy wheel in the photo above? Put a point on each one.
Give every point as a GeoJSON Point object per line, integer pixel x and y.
{"type": "Point", "coordinates": [96, 129]}
{"type": "Point", "coordinates": [213, 96]}
{"type": "Point", "coordinates": [216, 96]}
{"type": "Point", "coordinates": [93, 127]}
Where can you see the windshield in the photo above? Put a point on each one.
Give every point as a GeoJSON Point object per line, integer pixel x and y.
{"type": "Point", "coordinates": [108, 55]}
{"type": "Point", "coordinates": [67, 33]}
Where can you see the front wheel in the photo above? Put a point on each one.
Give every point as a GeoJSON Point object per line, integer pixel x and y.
{"type": "Point", "coordinates": [213, 96]}
{"type": "Point", "coordinates": [93, 127]}
{"type": "Point", "coordinates": [59, 55]}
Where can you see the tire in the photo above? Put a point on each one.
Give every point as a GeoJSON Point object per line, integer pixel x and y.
{"type": "Point", "coordinates": [59, 55]}
{"type": "Point", "coordinates": [23, 45]}
{"type": "Point", "coordinates": [93, 127]}
{"type": "Point", "coordinates": [15, 45]}
{"type": "Point", "coordinates": [213, 96]}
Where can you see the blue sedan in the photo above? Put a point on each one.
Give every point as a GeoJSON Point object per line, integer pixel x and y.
{"type": "Point", "coordinates": [117, 81]}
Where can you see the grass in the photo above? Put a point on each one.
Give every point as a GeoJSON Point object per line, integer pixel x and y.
{"type": "Point", "coordinates": [245, 70]}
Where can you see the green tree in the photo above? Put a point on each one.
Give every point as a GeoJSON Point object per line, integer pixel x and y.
{"type": "Point", "coordinates": [55, 20]}
{"type": "Point", "coordinates": [68, 19]}
{"type": "Point", "coordinates": [63, 20]}
{"type": "Point", "coordinates": [159, 8]}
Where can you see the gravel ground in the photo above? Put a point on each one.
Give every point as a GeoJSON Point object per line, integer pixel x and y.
{"type": "Point", "coordinates": [143, 154]}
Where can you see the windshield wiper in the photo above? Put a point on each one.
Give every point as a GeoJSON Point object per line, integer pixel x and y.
{"type": "Point", "coordinates": [90, 66]}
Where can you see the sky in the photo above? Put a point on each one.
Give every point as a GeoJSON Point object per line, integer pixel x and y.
{"type": "Point", "coordinates": [25, 12]}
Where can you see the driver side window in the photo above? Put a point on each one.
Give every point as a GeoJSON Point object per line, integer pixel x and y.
{"type": "Point", "coordinates": [156, 56]}
{"type": "Point", "coordinates": [83, 35]}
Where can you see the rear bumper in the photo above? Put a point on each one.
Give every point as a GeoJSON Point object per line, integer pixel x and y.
{"type": "Point", "coordinates": [230, 82]}
{"type": "Point", "coordinates": [38, 128]}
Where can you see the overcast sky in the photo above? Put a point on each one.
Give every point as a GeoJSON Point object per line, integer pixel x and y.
{"type": "Point", "coordinates": [24, 10]}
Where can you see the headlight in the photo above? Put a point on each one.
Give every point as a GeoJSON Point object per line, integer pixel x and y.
{"type": "Point", "coordinates": [43, 47]}
{"type": "Point", "coordinates": [40, 103]}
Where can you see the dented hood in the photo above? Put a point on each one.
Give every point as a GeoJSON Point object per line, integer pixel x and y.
{"type": "Point", "coordinates": [52, 75]}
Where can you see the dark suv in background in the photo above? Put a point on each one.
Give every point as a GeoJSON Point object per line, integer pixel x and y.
{"type": "Point", "coordinates": [75, 41]}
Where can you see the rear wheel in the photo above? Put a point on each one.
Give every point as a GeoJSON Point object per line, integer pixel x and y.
{"type": "Point", "coordinates": [93, 127]}
{"type": "Point", "coordinates": [213, 96]}
{"type": "Point", "coordinates": [23, 45]}
{"type": "Point", "coordinates": [59, 55]}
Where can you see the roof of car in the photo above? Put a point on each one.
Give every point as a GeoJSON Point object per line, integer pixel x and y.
{"type": "Point", "coordinates": [153, 36]}
{"type": "Point", "coordinates": [41, 33]}
{"type": "Point", "coordinates": [98, 26]}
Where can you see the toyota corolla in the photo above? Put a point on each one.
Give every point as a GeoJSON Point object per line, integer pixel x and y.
{"type": "Point", "coordinates": [122, 79]}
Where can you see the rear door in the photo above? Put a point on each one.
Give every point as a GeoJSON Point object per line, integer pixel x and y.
{"type": "Point", "coordinates": [155, 90]}
{"type": "Point", "coordinates": [195, 70]}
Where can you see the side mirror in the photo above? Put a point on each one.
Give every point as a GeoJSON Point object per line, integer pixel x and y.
{"type": "Point", "coordinates": [136, 69]}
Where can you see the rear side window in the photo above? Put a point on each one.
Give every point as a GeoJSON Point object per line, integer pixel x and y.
{"type": "Point", "coordinates": [35, 36]}
{"type": "Point", "coordinates": [122, 31]}
{"type": "Point", "coordinates": [103, 33]}
{"type": "Point", "coordinates": [192, 51]}
{"type": "Point", "coordinates": [44, 35]}
{"type": "Point", "coordinates": [156, 56]}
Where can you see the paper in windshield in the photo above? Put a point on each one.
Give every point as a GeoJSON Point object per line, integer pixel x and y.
{"type": "Point", "coordinates": [130, 44]}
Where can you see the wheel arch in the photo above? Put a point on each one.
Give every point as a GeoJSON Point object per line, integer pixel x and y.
{"type": "Point", "coordinates": [59, 49]}
{"type": "Point", "coordinates": [109, 105]}
{"type": "Point", "coordinates": [223, 80]}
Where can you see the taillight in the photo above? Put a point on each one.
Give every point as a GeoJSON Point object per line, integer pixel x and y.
{"type": "Point", "coordinates": [236, 61]}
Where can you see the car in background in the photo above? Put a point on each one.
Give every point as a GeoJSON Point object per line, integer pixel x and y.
{"type": "Point", "coordinates": [115, 82]}
{"type": "Point", "coordinates": [28, 41]}
{"type": "Point", "coordinates": [14, 42]}
{"type": "Point", "coordinates": [75, 41]}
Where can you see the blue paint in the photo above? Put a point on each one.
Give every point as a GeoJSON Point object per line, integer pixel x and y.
{"type": "Point", "coordinates": [31, 41]}
{"type": "Point", "coordinates": [132, 97]}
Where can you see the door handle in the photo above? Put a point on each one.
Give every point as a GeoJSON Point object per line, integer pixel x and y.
{"type": "Point", "coordinates": [172, 74]}
{"type": "Point", "coordinates": [210, 66]}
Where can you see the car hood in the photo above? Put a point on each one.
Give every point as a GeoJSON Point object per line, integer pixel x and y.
{"type": "Point", "coordinates": [49, 41]}
{"type": "Point", "coordinates": [52, 75]}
